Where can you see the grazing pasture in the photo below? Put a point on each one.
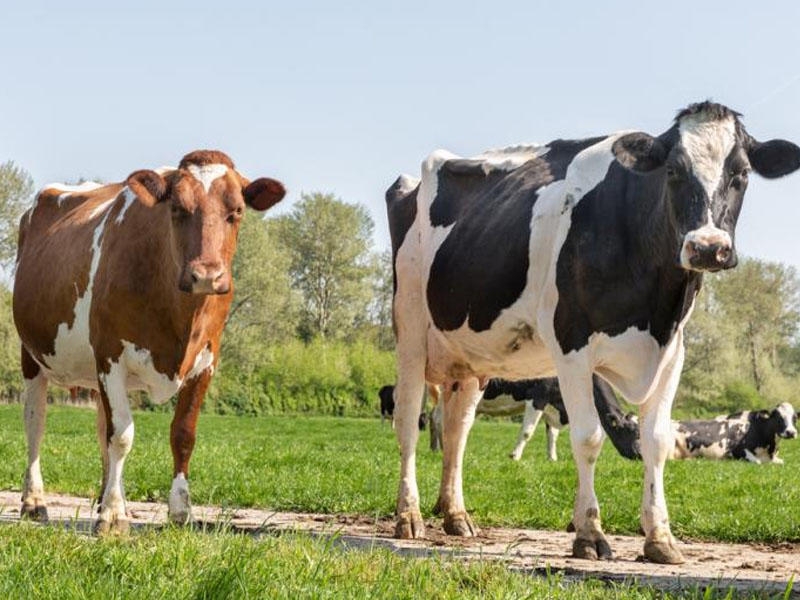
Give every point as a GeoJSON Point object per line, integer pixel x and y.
{"type": "Point", "coordinates": [177, 563]}
{"type": "Point", "coordinates": [324, 464]}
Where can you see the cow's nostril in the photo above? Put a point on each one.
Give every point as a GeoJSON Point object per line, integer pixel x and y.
{"type": "Point", "coordinates": [195, 277]}
{"type": "Point", "coordinates": [723, 254]}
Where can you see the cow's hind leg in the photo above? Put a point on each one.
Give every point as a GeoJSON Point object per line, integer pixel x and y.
{"type": "Point", "coordinates": [459, 413]}
{"type": "Point", "coordinates": [182, 437]}
{"type": "Point", "coordinates": [586, 436]}
{"type": "Point", "coordinates": [102, 442]}
{"type": "Point", "coordinates": [408, 400]}
{"type": "Point", "coordinates": [552, 441]}
{"type": "Point", "coordinates": [35, 399]}
{"type": "Point", "coordinates": [113, 518]}
{"type": "Point", "coordinates": [657, 442]}
{"type": "Point", "coordinates": [529, 422]}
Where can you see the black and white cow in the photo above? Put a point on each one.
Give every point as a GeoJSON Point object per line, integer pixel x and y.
{"type": "Point", "coordinates": [538, 399]}
{"type": "Point", "coordinates": [533, 398]}
{"type": "Point", "coordinates": [386, 396]}
{"type": "Point", "coordinates": [572, 258]}
{"type": "Point", "coordinates": [749, 435]}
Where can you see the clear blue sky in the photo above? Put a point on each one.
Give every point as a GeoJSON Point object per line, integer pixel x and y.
{"type": "Point", "coordinates": [342, 96]}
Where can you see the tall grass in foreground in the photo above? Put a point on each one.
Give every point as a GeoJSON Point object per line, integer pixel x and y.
{"type": "Point", "coordinates": [46, 562]}
{"type": "Point", "coordinates": [341, 465]}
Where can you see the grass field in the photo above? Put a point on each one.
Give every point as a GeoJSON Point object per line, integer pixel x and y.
{"type": "Point", "coordinates": [176, 563]}
{"type": "Point", "coordinates": [321, 464]}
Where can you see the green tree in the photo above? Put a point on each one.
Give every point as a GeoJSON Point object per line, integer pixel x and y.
{"type": "Point", "coordinates": [329, 244]}
{"type": "Point", "coordinates": [265, 308]}
{"type": "Point", "coordinates": [379, 310]}
{"type": "Point", "coordinates": [16, 187]}
{"type": "Point", "coordinates": [741, 343]}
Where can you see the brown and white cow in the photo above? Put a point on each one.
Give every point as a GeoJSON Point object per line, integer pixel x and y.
{"type": "Point", "coordinates": [127, 287]}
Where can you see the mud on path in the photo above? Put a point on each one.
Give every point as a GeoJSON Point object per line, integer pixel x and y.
{"type": "Point", "coordinates": [752, 567]}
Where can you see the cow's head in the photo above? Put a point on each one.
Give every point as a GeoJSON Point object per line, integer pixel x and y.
{"type": "Point", "coordinates": [784, 421]}
{"type": "Point", "coordinates": [704, 161]}
{"type": "Point", "coordinates": [206, 197]}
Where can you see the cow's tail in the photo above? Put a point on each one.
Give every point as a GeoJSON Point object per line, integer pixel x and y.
{"type": "Point", "coordinates": [621, 428]}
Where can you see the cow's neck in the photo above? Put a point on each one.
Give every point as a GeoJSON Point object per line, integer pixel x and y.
{"type": "Point", "coordinates": [673, 288]}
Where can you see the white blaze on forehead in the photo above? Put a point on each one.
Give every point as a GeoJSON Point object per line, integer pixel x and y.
{"type": "Point", "coordinates": [708, 142]}
{"type": "Point", "coordinates": [207, 174]}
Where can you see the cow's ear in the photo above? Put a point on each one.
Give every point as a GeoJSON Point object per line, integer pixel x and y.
{"type": "Point", "coordinates": [640, 152]}
{"type": "Point", "coordinates": [150, 187]}
{"type": "Point", "coordinates": [774, 158]}
{"type": "Point", "coordinates": [263, 193]}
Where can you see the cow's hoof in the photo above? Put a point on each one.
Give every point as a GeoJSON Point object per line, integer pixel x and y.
{"type": "Point", "coordinates": [112, 528]}
{"type": "Point", "coordinates": [592, 549]}
{"type": "Point", "coordinates": [514, 456]}
{"type": "Point", "coordinates": [180, 517]}
{"type": "Point", "coordinates": [459, 524]}
{"type": "Point", "coordinates": [34, 512]}
{"type": "Point", "coordinates": [409, 526]}
{"type": "Point", "coordinates": [570, 527]}
{"type": "Point", "coordinates": [663, 552]}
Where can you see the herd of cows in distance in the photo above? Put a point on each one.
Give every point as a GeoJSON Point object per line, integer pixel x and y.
{"type": "Point", "coordinates": [556, 275]}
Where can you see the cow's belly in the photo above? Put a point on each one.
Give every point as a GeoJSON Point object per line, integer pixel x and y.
{"type": "Point", "coordinates": [73, 365]}
{"type": "Point", "coordinates": [502, 406]}
{"type": "Point", "coordinates": [512, 352]}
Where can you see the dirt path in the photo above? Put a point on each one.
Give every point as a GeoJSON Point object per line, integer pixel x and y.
{"type": "Point", "coordinates": [743, 566]}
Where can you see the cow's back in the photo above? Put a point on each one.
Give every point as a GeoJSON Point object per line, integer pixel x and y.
{"type": "Point", "coordinates": [52, 295]}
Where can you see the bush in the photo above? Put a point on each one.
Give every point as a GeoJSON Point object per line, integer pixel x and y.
{"type": "Point", "coordinates": [331, 378]}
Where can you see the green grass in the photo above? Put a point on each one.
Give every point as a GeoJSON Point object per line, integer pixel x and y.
{"type": "Point", "coordinates": [47, 562]}
{"type": "Point", "coordinates": [351, 466]}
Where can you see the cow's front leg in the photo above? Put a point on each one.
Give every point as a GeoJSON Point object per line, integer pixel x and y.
{"type": "Point", "coordinates": [657, 442]}
{"type": "Point", "coordinates": [113, 518]}
{"type": "Point", "coordinates": [586, 437]}
{"type": "Point", "coordinates": [182, 437]}
{"type": "Point", "coordinates": [529, 422]}
{"type": "Point", "coordinates": [459, 413]}
{"type": "Point", "coordinates": [35, 398]}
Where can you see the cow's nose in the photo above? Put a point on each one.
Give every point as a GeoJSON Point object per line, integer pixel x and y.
{"type": "Point", "coordinates": [709, 257]}
{"type": "Point", "coordinates": [208, 279]}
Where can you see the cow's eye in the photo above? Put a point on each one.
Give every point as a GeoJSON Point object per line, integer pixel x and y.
{"type": "Point", "coordinates": [738, 179]}
{"type": "Point", "coordinates": [235, 215]}
{"type": "Point", "coordinates": [179, 213]}
{"type": "Point", "coordinates": [672, 172]}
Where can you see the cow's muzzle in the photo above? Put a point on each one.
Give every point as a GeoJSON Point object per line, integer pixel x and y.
{"type": "Point", "coordinates": [206, 279]}
{"type": "Point", "coordinates": [707, 248]}
{"type": "Point", "coordinates": [708, 257]}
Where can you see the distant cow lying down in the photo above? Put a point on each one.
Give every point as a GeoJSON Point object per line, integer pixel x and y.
{"type": "Point", "coordinates": [749, 435]}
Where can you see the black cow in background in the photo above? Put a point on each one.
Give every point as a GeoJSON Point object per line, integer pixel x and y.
{"type": "Point", "coordinates": [541, 398]}
{"type": "Point", "coordinates": [386, 395]}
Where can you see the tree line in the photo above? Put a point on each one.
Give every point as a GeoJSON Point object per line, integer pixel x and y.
{"type": "Point", "coordinates": [310, 325]}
